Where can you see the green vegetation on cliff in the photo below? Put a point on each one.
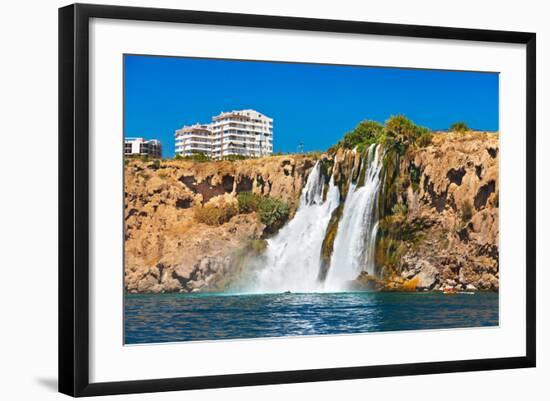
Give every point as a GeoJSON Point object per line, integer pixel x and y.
{"type": "Point", "coordinates": [365, 134]}
{"type": "Point", "coordinates": [248, 202]}
{"type": "Point", "coordinates": [402, 133]}
{"type": "Point", "coordinates": [272, 212]}
{"type": "Point", "coordinates": [214, 214]}
{"type": "Point", "coordinates": [400, 139]}
{"type": "Point", "coordinates": [396, 235]}
{"type": "Point", "coordinates": [459, 127]}
{"type": "Point", "coordinates": [398, 133]}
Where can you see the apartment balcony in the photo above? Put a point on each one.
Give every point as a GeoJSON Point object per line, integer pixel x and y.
{"type": "Point", "coordinates": [192, 143]}
{"type": "Point", "coordinates": [239, 135]}
{"type": "Point", "coordinates": [241, 151]}
{"type": "Point", "coordinates": [198, 149]}
{"type": "Point", "coordinates": [195, 141]}
{"type": "Point", "coordinates": [207, 136]}
{"type": "Point", "coordinates": [241, 145]}
{"type": "Point", "coordinates": [202, 137]}
{"type": "Point", "coordinates": [202, 148]}
{"type": "Point", "coordinates": [237, 132]}
{"type": "Point", "coordinates": [241, 140]}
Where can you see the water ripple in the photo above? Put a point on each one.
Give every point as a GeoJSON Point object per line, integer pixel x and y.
{"type": "Point", "coordinates": [191, 317]}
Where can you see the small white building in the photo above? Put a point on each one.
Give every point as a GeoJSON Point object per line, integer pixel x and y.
{"type": "Point", "coordinates": [142, 147]}
{"type": "Point", "coordinates": [245, 133]}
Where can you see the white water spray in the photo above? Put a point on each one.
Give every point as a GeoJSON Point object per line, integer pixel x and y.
{"type": "Point", "coordinates": [292, 259]}
{"type": "Point", "coordinates": [354, 245]}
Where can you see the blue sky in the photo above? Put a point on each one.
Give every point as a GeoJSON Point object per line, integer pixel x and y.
{"type": "Point", "coordinates": [312, 103]}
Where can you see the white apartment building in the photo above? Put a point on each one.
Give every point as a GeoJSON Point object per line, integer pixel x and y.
{"type": "Point", "coordinates": [245, 133]}
{"type": "Point", "coordinates": [195, 138]}
{"type": "Point", "coordinates": [142, 147]}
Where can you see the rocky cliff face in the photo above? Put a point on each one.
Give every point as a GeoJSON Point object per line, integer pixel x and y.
{"type": "Point", "coordinates": [443, 226]}
{"type": "Point", "coordinates": [437, 212]}
{"type": "Point", "coordinates": [460, 184]}
{"type": "Point", "coordinates": [167, 249]}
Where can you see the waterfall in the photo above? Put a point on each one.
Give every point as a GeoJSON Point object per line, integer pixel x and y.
{"type": "Point", "coordinates": [354, 245]}
{"type": "Point", "coordinates": [291, 261]}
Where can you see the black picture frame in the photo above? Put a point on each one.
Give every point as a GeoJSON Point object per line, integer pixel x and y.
{"type": "Point", "coordinates": [74, 198]}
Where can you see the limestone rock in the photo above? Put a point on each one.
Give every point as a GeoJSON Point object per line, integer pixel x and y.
{"type": "Point", "coordinates": [456, 196]}
{"type": "Point", "coordinates": [427, 276]}
{"type": "Point", "coordinates": [166, 249]}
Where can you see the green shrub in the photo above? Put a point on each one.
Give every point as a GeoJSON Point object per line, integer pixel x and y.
{"type": "Point", "coordinates": [215, 215]}
{"type": "Point", "coordinates": [459, 127]}
{"type": "Point", "coordinates": [248, 202]}
{"type": "Point", "coordinates": [273, 212]}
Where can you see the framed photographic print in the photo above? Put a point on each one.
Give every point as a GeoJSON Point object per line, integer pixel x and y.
{"type": "Point", "coordinates": [277, 199]}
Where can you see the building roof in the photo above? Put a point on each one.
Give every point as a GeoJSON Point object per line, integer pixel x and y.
{"type": "Point", "coordinates": [245, 112]}
{"type": "Point", "coordinates": [139, 139]}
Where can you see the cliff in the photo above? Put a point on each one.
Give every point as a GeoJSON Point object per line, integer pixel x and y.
{"type": "Point", "coordinates": [439, 217]}
{"type": "Point", "coordinates": [169, 247]}
{"type": "Point", "coordinates": [436, 216]}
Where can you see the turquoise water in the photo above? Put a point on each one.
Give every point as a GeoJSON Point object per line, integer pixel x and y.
{"type": "Point", "coordinates": [189, 317]}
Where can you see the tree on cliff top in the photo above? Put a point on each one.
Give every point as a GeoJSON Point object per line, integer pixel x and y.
{"type": "Point", "coordinates": [399, 132]}
{"type": "Point", "coordinates": [363, 135]}
{"type": "Point", "coordinates": [402, 132]}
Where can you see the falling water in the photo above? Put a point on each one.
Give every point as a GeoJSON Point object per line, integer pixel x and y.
{"type": "Point", "coordinates": [354, 245]}
{"type": "Point", "coordinates": [291, 261]}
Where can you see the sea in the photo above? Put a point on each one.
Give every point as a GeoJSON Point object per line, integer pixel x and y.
{"type": "Point", "coordinates": [162, 318]}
